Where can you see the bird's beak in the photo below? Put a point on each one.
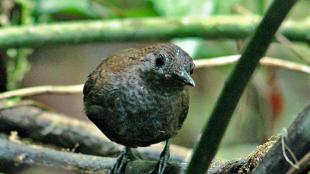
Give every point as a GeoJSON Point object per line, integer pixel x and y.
{"type": "Point", "coordinates": [185, 78]}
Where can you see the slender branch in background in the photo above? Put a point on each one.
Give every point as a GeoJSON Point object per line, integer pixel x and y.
{"type": "Point", "coordinates": [266, 61]}
{"type": "Point", "coordinates": [218, 27]}
{"type": "Point", "coordinates": [31, 91]}
{"type": "Point", "coordinates": [298, 141]}
{"type": "Point", "coordinates": [200, 63]}
{"type": "Point", "coordinates": [279, 37]}
{"type": "Point", "coordinates": [287, 43]}
{"type": "Point", "coordinates": [278, 63]}
{"type": "Point", "coordinates": [215, 128]}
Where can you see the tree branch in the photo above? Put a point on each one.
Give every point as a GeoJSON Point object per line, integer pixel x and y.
{"type": "Point", "coordinates": [229, 27]}
{"type": "Point", "coordinates": [66, 132]}
{"type": "Point", "coordinates": [14, 156]}
{"type": "Point", "coordinates": [21, 155]}
{"type": "Point", "coordinates": [215, 128]}
{"type": "Point", "coordinates": [297, 140]}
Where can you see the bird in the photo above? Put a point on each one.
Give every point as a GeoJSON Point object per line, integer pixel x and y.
{"type": "Point", "coordinates": [139, 96]}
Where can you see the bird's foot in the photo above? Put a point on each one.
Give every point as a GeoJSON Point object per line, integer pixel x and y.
{"type": "Point", "coordinates": [160, 166]}
{"type": "Point", "coordinates": [121, 161]}
{"type": "Point", "coordinates": [163, 160]}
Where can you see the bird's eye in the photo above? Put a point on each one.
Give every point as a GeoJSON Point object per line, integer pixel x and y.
{"type": "Point", "coordinates": [192, 70]}
{"type": "Point", "coordinates": [160, 60]}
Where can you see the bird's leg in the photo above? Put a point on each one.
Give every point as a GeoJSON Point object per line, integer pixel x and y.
{"type": "Point", "coordinates": [125, 156]}
{"type": "Point", "coordinates": [163, 160]}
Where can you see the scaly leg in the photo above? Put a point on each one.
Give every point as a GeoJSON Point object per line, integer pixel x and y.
{"type": "Point", "coordinates": [163, 160]}
{"type": "Point", "coordinates": [125, 156]}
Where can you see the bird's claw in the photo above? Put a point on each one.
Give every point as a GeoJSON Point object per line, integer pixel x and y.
{"type": "Point", "coordinates": [119, 165]}
{"type": "Point", "coordinates": [121, 162]}
{"type": "Point", "coordinates": [160, 166]}
{"type": "Point", "coordinates": [163, 161]}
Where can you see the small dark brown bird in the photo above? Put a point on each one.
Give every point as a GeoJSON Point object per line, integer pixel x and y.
{"type": "Point", "coordinates": [137, 97]}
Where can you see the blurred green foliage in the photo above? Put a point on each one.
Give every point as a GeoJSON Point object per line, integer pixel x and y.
{"type": "Point", "coordinates": [254, 109]}
{"type": "Point", "coordinates": [81, 9]}
{"type": "Point", "coordinates": [17, 63]}
{"type": "Point", "coordinates": [179, 8]}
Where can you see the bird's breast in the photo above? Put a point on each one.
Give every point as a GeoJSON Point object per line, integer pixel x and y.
{"type": "Point", "coordinates": [135, 115]}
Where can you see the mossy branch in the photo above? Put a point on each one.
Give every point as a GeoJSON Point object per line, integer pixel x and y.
{"type": "Point", "coordinates": [48, 128]}
{"type": "Point", "coordinates": [227, 27]}
{"type": "Point", "coordinates": [297, 140]}
{"type": "Point", "coordinates": [16, 155]}
{"type": "Point", "coordinates": [214, 130]}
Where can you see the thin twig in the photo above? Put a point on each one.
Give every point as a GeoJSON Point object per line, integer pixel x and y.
{"type": "Point", "coordinates": [287, 43]}
{"type": "Point", "coordinates": [31, 91]}
{"type": "Point", "coordinates": [286, 147]}
{"type": "Point", "coordinates": [266, 61]}
{"type": "Point", "coordinates": [201, 63]}
{"type": "Point", "coordinates": [280, 38]}
{"type": "Point", "coordinates": [303, 164]}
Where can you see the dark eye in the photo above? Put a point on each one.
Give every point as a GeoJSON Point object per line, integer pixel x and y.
{"type": "Point", "coordinates": [160, 60]}
{"type": "Point", "coordinates": [192, 70]}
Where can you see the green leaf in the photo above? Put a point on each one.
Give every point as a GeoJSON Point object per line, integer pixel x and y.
{"type": "Point", "coordinates": [80, 8]}
{"type": "Point", "coordinates": [223, 7]}
{"type": "Point", "coordinates": [178, 8]}
{"type": "Point", "coordinates": [17, 66]}
{"type": "Point", "coordinates": [139, 12]}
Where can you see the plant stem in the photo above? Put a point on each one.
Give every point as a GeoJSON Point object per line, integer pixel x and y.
{"type": "Point", "coordinates": [214, 130]}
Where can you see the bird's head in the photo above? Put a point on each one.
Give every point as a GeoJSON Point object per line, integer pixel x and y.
{"type": "Point", "coordinates": [168, 64]}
